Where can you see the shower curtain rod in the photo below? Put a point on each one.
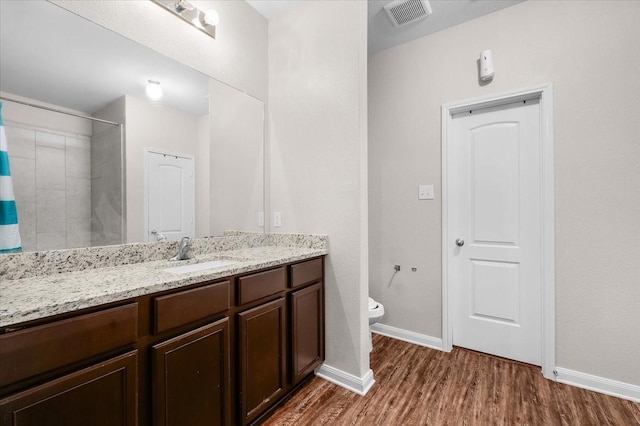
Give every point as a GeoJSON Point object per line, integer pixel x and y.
{"type": "Point", "coordinates": [60, 111]}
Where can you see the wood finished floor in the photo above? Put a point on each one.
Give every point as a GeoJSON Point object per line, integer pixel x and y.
{"type": "Point", "coordinates": [421, 386]}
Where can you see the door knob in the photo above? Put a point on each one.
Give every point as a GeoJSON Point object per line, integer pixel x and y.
{"type": "Point", "coordinates": [459, 242]}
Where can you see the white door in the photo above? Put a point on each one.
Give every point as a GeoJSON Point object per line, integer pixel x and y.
{"type": "Point", "coordinates": [495, 228]}
{"type": "Point", "coordinates": [170, 196]}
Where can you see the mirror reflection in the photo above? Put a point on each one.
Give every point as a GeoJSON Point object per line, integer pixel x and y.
{"type": "Point", "coordinates": [152, 169]}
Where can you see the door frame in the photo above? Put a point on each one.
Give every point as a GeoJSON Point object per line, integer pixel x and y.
{"type": "Point", "coordinates": [544, 93]}
{"type": "Point", "coordinates": [145, 189]}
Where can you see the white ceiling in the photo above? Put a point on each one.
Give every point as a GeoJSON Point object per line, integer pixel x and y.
{"type": "Point", "coordinates": [52, 55]}
{"type": "Point", "coordinates": [383, 35]}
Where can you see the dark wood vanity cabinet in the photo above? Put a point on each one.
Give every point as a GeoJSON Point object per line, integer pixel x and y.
{"type": "Point", "coordinates": [75, 371]}
{"type": "Point", "coordinates": [262, 350]}
{"type": "Point", "coordinates": [306, 305]}
{"type": "Point", "coordinates": [101, 395]}
{"type": "Point", "coordinates": [221, 352]}
{"type": "Point", "coordinates": [190, 377]}
{"type": "Point", "coordinates": [307, 333]}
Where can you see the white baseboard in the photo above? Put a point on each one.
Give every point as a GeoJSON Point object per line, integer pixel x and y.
{"type": "Point", "coordinates": [408, 336]}
{"type": "Point", "coordinates": [359, 385]}
{"type": "Point", "coordinates": [599, 384]}
{"type": "Point", "coordinates": [566, 376]}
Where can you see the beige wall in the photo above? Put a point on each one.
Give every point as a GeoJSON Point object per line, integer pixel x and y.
{"type": "Point", "coordinates": [589, 52]}
{"type": "Point", "coordinates": [203, 192]}
{"type": "Point", "coordinates": [317, 129]}
{"type": "Point", "coordinates": [238, 55]}
{"type": "Point", "coordinates": [236, 160]}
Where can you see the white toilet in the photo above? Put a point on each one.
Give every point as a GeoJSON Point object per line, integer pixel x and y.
{"type": "Point", "coordinates": [376, 311]}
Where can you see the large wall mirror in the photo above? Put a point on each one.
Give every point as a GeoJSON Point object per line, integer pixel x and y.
{"type": "Point", "coordinates": [188, 163]}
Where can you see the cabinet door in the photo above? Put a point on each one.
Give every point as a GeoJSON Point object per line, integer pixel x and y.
{"type": "Point", "coordinates": [307, 331]}
{"type": "Point", "coordinates": [101, 395]}
{"type": "Point", "coordinates": [191, 378]}
{"type": "Point", "coordinates": [262, 357]}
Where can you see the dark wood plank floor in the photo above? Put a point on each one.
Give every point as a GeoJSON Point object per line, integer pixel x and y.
{"type": "Point", "coordinates": [421, 386]}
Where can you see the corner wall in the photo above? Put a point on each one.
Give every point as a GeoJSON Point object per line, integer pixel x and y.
{"type": "Point", "coordinates": [236, 160]}
{"type": "Point", "coordinates": [589, 52]}
{"type": "Point", "coordinates": [317, 157]}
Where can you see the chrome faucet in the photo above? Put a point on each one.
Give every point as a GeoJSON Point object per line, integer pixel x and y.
{"type": "Point", "coordinates": [185, 245]}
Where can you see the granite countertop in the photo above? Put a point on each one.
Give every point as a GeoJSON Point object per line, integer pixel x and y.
{"type": "Point", "coordinates": [38, 297]}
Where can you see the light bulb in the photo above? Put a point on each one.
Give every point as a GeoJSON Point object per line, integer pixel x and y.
{"type": "Point", "coordinates": [211, 17]}
{"type": "Point", "coordinates": [154, 91]}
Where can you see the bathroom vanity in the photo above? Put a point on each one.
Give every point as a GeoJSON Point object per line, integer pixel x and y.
{"type": "Point", "coordinates": [222, 346]}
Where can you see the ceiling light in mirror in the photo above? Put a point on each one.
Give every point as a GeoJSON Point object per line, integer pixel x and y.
{"type": "Point", "coordinates": [153, 90]}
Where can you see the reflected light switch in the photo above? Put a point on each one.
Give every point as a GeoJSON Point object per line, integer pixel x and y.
{"type": "Point", "coordinates": [425, 192]}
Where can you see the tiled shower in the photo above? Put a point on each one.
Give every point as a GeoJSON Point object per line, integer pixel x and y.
{"type": "Point", "coordinates": [52, 175]}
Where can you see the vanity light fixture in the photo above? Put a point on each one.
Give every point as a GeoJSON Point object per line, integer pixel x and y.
{"type": "Point", "coordinates": [154, 91]}
{"type": "Point", "coordinates": [204, 21]}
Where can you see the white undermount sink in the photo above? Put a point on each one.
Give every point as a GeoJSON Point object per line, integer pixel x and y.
{"type": "Point", "coordinates": [196, 267]}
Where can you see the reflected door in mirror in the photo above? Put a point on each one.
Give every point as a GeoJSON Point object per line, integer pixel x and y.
{"type": "Point", "coordinates": [170, 196]}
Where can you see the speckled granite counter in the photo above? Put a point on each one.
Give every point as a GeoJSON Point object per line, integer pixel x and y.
{"type": "Point", "coordinates": [37, 296]}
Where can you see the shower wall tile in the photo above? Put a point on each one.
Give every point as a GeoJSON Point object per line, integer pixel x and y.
{"type": "Point", "coordinates": [50, 168]}
{"type": "Point", "coordinates": [106, 187]}
{"type": "Point", "coordinates": [51, 140]}
{"type": "Point", "coordinates": [23, 172]}
{"type": "Point", "coordinates": [51, 213]}
{"type": "Point", "coordinates": [27, 223]}
{"type": "Point", "coordinates": [51, 173]}
{"type": "Point", "coordinates": [20, 142]}
{"type": "Point", "coordinates": [78, 158]}
{"type": "Point", "coordinates": [79, 232]}
{"type": "Point", "coordinates": [51, 240]}
{"type": "Point", "coordinates": [78, 212]}
{"type": "Point", "coordinates": [78, 198]}
{"type": "Point", "coordinates": [106, 219]}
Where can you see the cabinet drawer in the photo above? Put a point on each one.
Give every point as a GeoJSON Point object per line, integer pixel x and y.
{"type": "Point", "coordinates": [27, 353]}
{"type": "Point", "coordinates": [181, 308]}
{"type": "Point", "coordinates": [306, 272]}
{"type": "Point", "coordinates": [263, 284]}
{"type": "Point", "coordinates": [103, 394]}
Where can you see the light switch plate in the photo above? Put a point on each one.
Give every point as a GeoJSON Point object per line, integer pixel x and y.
{"type": "Point", "coordinates": [277, 220]}
{"type": "Point", "coordinates": [260, 218]}
{"type": "Point", "coordinates": [425, 192]}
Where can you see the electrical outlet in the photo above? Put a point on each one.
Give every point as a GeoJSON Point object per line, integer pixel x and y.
{"type": "Point", "coordinates": [277, 219]}
{"type": "Point", "coordinates": [425, 192]}
{"type": "Point", "coordinates": [260, 218]}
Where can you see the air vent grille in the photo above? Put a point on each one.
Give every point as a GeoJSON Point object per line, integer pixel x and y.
{"type": "Point", "coordinates": [404, 12]}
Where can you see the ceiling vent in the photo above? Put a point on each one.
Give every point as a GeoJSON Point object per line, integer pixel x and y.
{"type": "Point", "coordinates": [404, 12]}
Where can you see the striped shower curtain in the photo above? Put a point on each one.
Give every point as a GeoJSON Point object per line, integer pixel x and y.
{"type": "Point", "coordinates": [9, 233]}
